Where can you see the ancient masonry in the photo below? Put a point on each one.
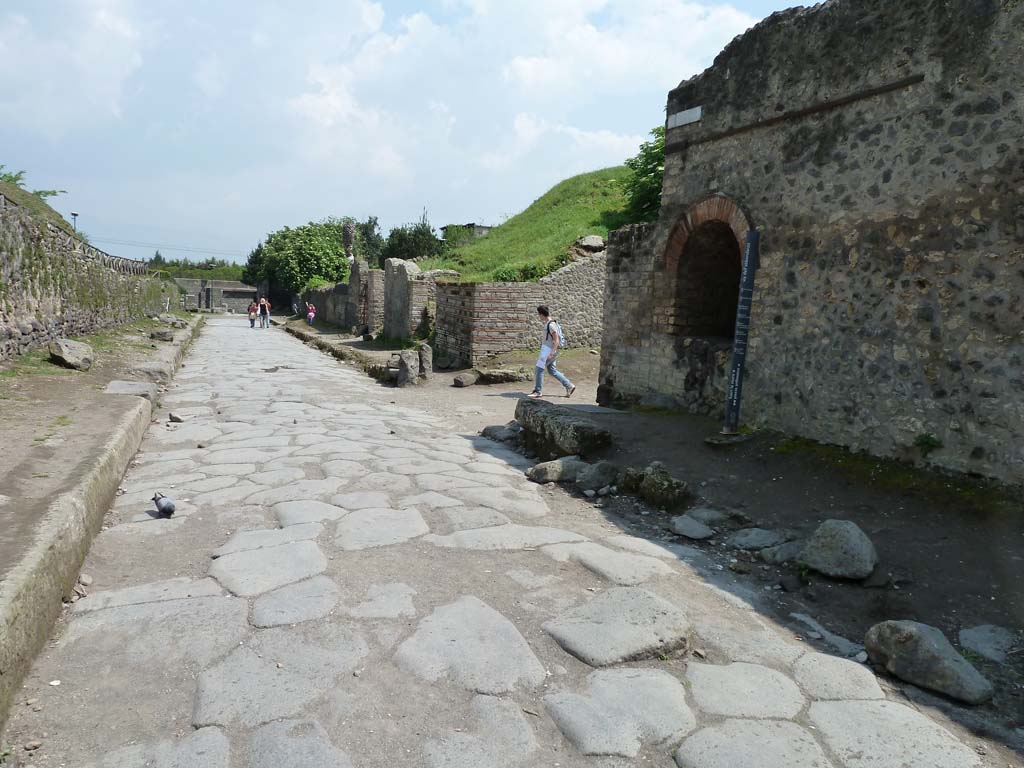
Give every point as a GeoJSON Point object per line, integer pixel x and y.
{"type": "Point", "coordinates": [54, 285]}
{"type": "Point", "coordinates": [230, 295]}
{"type": "Point", "coordinates": [476, 321]}
{"type": "Point", "coordinates": [888, 187]}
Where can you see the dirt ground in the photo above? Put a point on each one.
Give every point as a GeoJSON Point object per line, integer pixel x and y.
{"type": "Point", "coordinates": [951, 549]}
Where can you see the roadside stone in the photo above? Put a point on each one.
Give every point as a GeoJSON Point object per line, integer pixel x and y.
{"type": "Point", "coordinates": [622, 624]}
{"type": "Point", "coordinates": [743, 690]}
{"type": "Point", "coordinates": [563, 470]}
{"type": "Point", "coordinates": [72, 354]}
{"type": "Point", "coordinates": [501, 434]}
{"type": "Point", "coordinates": [473, 645]}
{"type": "Point", "coordinates": [294, 744]}
{"type": "Point", "coordinates": [755, 539]}
{"type": "Point", "coordinates": [204, 748]}
{"type": "Point", "coordinates": [503, 537]}
{"type": "Point", "coordinates": [367, 528]}
{"type": "Point", "coordinates": [408, 368]}
{"type": "Point", "coordinates": [290, 513]}
{"type": "Point", "coordinates": [162, 334]}
{"type": "Point", "coordinates": [884, 734]}
{"type": "Point", "coordinates": [593, 477]}
{"type": "Point", "coordinates": [839, 548]}
{"type": "Point", "coordinates": [827, 677]}
{"type": "Point", "coordinates": [246, 540]}
{"type": "Point", "coordinates": [504, 375]}
{"type": "Point", "coordinates": [782, 553]}
{"type": "Point", "coordinates": [922, 655]}
{"type": "Point", "coordinates": [254, 572]}
{"type": "Point", "coordinates": [295, 603]}
{"type": "Point", "coordinates": [618, 567]}
{"type": "Point", "coordinates": [143, 389]}
{"type": "Point", "coordinates": [551, 431]}
{"type": "Point", "coordinates": [466, 379]}
{"type": "Point", "coordinates": [622, 711]}
{"type": "Point", "coordinates": [501, 739]}
{"type": "Point", "coordinates": [708, 516]}
{"type": "Point", "coordinates": [986, 640]}
{"type": "Point", "coordinates": [742, 743]}
{"type": "Point", "coordinates": [686, 526]}
{"type": "Point", "coordinates": [660, 489]}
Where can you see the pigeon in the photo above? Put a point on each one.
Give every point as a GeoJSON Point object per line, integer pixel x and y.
{"type": "Point", "coordinates": [164, 505]}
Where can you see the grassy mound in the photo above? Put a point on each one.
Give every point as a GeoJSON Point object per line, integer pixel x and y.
{"type": "Point", "coordinates": [35, 206]}
{"type": "Point", "coordinates": [536, 242]}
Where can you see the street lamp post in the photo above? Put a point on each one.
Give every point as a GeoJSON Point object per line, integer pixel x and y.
{"type": "Point", "coordinates": [74, 220]}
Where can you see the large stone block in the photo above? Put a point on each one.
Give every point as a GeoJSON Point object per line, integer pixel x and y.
{"type": "Point", "coordinates": [553, 431]}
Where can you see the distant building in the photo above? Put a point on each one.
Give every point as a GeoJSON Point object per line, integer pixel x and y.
{"type": "Point", "coordinates": [479, 230]}
{"type": "Point", "coordinates": [216, 294]}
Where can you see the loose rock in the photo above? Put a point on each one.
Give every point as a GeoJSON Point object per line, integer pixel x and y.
{"type": "Point", "coordinates": [686, 526]}
{"type": "Point", "coordinates": [989, 641]}
{"type": "Point", "coordinates": [467, 379]}
{"type": "Point", "coordinates": [72, 354]}
{"type": "Point", "coordinates": [839, 548]}
{"type": "Point", "coordinates": [922, 655]}
{"type": "Point", "coordinates": [660, 489]}
{"type": "Point", "coordinates": [593, 477]}
{"type": "Point", "coordinates": [755, 539]}
{"type": "Point", "coordinates": [565, 469]}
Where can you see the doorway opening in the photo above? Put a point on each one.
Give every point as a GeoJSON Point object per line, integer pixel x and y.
{"type": "Point", "coordinates": [708, 280]}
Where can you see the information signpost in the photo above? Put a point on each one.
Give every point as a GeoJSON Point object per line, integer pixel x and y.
{"type": "Point", "coordinates": [739, 345]}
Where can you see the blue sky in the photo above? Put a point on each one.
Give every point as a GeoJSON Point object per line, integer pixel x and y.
{"type": "Point", "coordinates": [207, 125]}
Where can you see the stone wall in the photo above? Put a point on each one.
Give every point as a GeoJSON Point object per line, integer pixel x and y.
{"type": "Point", "coordinates": [375, 301]}
{"type": "Point", "coordinates": [575, 295]}
{"type": "Point", "coordinates": [888, 186]}
{"type": "Point", "coordinates": [410, 299]}
{"type": "Point", "coordinates": [53, 285]}
{"type": "Point", "coordinates": [332, 304]}
{"type": "Point", "coordinates": [226, 295]}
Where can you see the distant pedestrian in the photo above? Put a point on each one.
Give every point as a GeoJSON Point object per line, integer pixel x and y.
{"type": "Point", "coordinates": [310, 312]}
{"type": "Point", "coordinates": [253, 310]}
{"type": "Point", "coordinates": [550, 345]}
{"type": "Point", "coordinates": [264, 313]}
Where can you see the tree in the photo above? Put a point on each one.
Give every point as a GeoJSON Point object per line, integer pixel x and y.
{"type": "Point", "coordinates": [643, 186]}
{"type": "Point", "coordinates": [300, 257]}
{"type": "Point", "coordinates": [158, 260]}
{"type": "Point", "coordinates": [369, 242]}
{"type": "Point", "coordinates": [17, 178]}
{"type": "Point", "coordinates": [413, 242]}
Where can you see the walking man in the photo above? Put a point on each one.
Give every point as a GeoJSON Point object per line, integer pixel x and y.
{"type": "Point", "coordinates": [550, 345]}
{"type": "Point", "coordinates": [264, 313]}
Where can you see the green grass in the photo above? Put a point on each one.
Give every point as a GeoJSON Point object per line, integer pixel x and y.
{"type": "Point", "coordinates": [974, 494]}
{"type": "Point", "coordinates": [35, 206]}
{"type": "Point", "coordinates": [536, 242]}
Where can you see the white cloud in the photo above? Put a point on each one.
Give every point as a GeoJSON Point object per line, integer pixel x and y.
{"type": "Point", "coordinates": [210, 77]}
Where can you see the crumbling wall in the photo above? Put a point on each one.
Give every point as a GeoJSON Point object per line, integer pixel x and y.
{"type": "Point", "coordinates": [575, 295]}
{"type": "Point", "coordinates": [332, 304]}
{"type": "Point", "coordinates": [53, 285]}
{"type": "Point", "coordinates": [886, 184]}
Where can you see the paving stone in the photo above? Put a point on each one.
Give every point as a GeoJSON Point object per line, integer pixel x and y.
{"type": "Point", "coordinates": [396, 484]}
{"type": "Point", "coordinates": [623, 710]}
{"type": "Point", "coordinates": [205, 748]}
{"type": "Point", "coordinates": [207, 484]}
{"type": "Point", "coordinates": [884, 734]}
{"type": "Point", "coordinates": [361, 500]}
{"type": "Point", "coordinates": [277, 476]}
{"type": "Point", "coordinates": [503, 537]}
{"type": "Point", "coordinates": [449, 483]}
{"type": "Point", "coordinates": [191, 433]}
{"type": "Point", "coordinates": [690, 528]}
{"type": "Point", "coordinates": [764, 744]}
{"type": "Point", "coordinates": [301, 490]}
{"type": "Point", "coordinates": [295, 603]}
{"type": "Point", "coordinates": [474, 646]}
{"type": "Point", "coordinates": [291, 513]}
{"type": "Point", "coordinates": [989, 641]}
{"type": "Point", "coordinates": [229, 469]}
{"type": "Point", "coordinates": [386, 601]}
{"type": "Point", "coordinates": [245, 540]}
{"type": "Point", "coordinates": [618, 567]}
{"type": "Point", "coordinates": [257, 571]}
{"type": "Point", "coordinates": [157, 636]}
{"type": "Point", "coordinates": [294, 744]}
{"type": "Point", "coordinates": [235, 493]}
{"type": "Point", "coordinates": [145, 389]}
{"type": "Point", "coordinates": [281, 673]}
{"type": "Point", "coordinates": [743, 637]}
{"type": "Point", "coordinates": [653, 548]}
{"type": "Point", "coordinates": [367, 528]}
{"type": "Point", "coordinates": [743, 690]}
{"type": "Point", "coordinates": [146, 527]}
{"type": "Point", "coordinates": [465, 518]}
{"type": "Point", "coordinates": [531, 580]}
{"type": "Point", "coordinates": [343, 468]}
{"type": "Point", "coordinates": [171, 589]}
{"type": "Point", "coordinates": [507, 500]}
{"type": "Point", "coordinates": [429, 500]}
{"type": "Point", "coordinates": [162, 469]}
{"type": "Point", "coordinates": [244, 455]}
{"type": "Point", "coordinates": [420, 467]}
{"type": "Point", "coordinates": [830, 677]}
{"type": "Point", "coordinates": [502, 738]}
{"type": "Point", "coordinates": [622, 624]}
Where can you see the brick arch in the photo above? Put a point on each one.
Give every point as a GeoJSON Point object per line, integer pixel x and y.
{"type": "Point", "coordinates": [714, 207]}
{"type": "Point", "coordinates": [676, 297]}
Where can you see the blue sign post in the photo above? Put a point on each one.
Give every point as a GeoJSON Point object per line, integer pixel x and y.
{"type": "Point", "coordinates": [751, 256]}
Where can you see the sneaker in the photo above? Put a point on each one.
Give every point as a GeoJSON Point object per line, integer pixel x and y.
{"type": "Point", "coordinates": [570, 390]}
{"type": "Point", "coordinates": [535, 394]}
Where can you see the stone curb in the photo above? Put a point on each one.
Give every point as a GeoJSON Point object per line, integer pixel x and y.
{"type": "Point", "coordinates": [31, 594]}
{"type": "Point", "coordinates": [339, 351]}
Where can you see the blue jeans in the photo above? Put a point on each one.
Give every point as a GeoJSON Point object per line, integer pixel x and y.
{"type": "Point", "coordinates": [538, 382]}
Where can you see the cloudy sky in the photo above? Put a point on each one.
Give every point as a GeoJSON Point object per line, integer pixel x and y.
{"type": "Point", "coordinates": [207, 125]}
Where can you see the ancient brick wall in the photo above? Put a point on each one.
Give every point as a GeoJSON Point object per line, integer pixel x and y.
{"type": "Point", "coordinates": [53, 285]}
{"type": "Point", "coordinates": [332, 304]}
{"type": "Point", "coordinates": [887, 185]}
{"type": "Point", "coordinates": [375, 300]}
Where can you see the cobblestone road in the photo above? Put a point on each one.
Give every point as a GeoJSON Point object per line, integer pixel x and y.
{"type": "Point", "coordinates": [350, 583]}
